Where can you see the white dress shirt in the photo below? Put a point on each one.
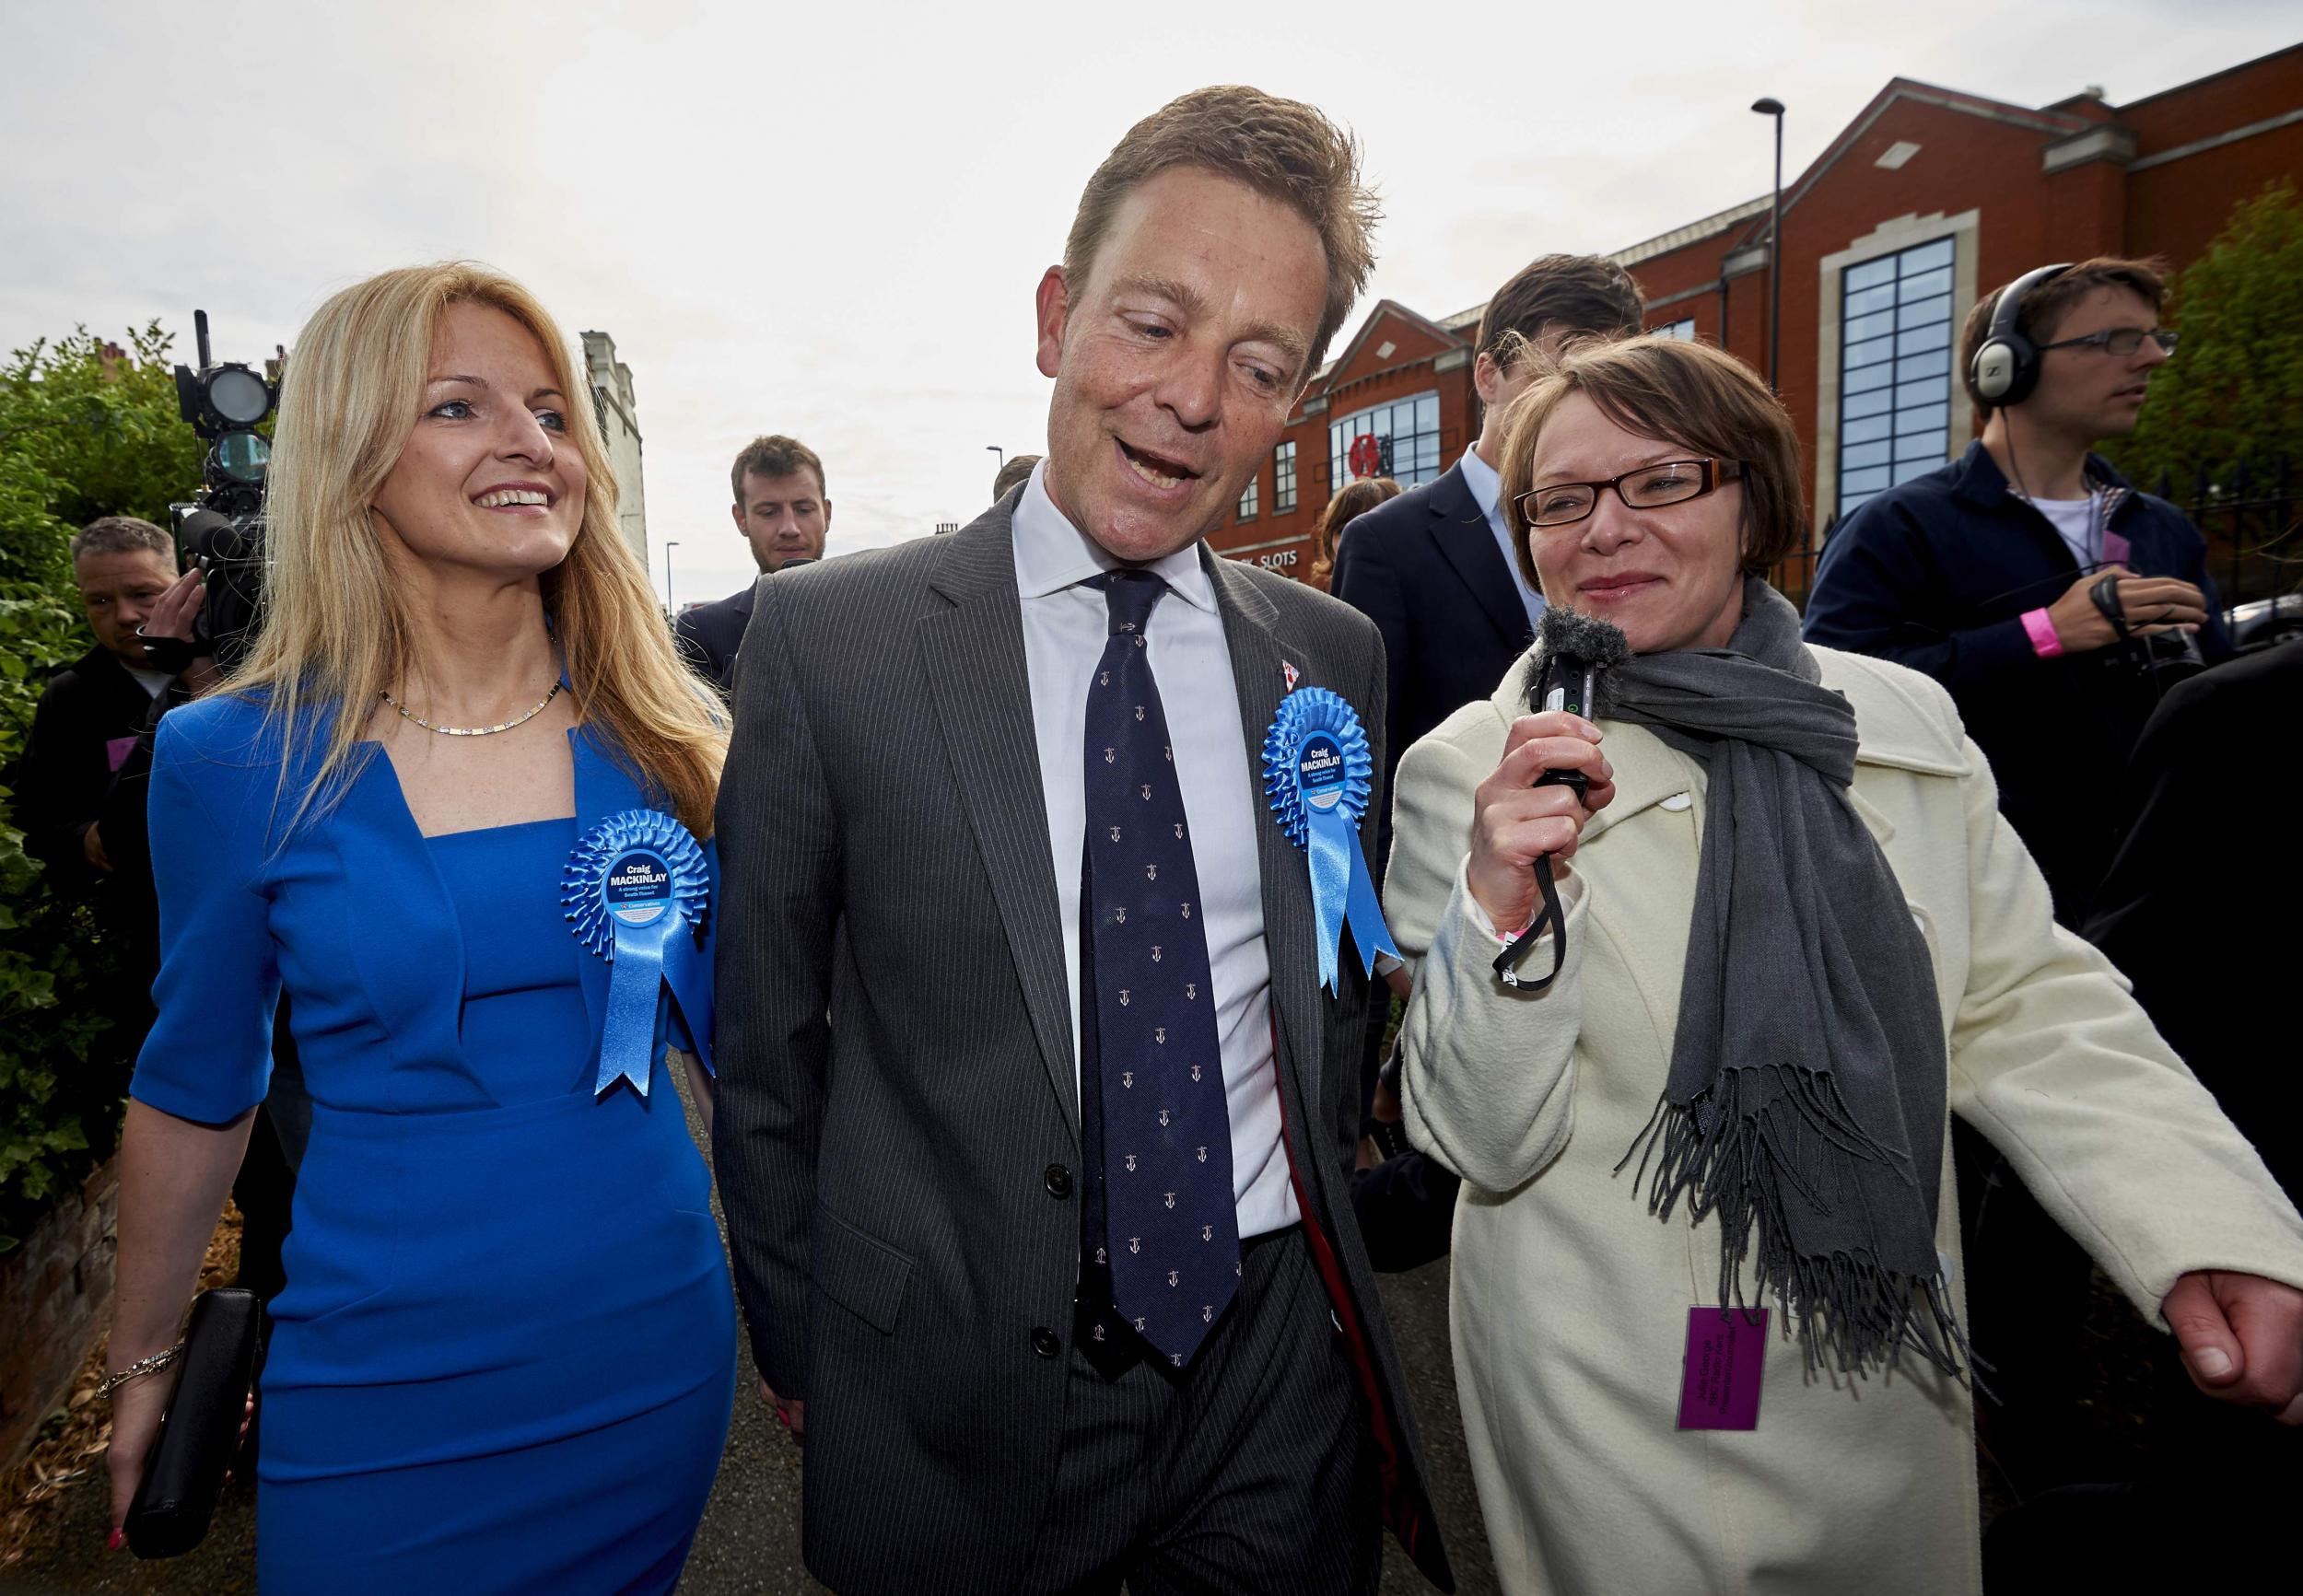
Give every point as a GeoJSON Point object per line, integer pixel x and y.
{"type": "Point", "coordinates": [1064, 632]}
{"type": "Point", "coordinates": [1487, 489]}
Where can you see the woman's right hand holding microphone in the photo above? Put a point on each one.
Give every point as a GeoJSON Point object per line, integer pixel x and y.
{"type": "Point", "coordinates": [1515, 822]}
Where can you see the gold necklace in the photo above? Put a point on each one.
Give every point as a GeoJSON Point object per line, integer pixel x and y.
{"type": "Point", "coordinates": [471, 730]}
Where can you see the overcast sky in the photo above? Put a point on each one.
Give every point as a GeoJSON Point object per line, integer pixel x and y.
{"type": "Point", "coordinates": [829, 220]}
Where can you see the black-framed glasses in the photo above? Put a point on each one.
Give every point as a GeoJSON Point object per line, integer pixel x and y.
{"type": "Point", "coordinates": [2118, 340]}
{"type": "Point", "coordinates": [1669, 481]}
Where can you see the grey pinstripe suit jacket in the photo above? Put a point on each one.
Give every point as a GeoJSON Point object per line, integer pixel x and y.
{"type": "Point", "coordinates": [894, 1050]}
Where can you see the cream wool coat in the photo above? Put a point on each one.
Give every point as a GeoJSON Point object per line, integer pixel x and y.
{"type": "Point", "coordinates": [1570, 1301]}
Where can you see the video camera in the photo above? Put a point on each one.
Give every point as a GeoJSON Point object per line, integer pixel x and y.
{"type": "Point", "coordinates": [221, 528]}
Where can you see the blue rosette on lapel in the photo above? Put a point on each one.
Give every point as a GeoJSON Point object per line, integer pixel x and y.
{"type": "Point", "coordinates": [1319, 773]}
{"type": "Point", "coordinates": [635, 892]}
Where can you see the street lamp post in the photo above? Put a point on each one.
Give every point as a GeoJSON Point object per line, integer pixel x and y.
{"type": "Point", "coordinates": [1001, 455]}
{"type": "Point", "coordinates": [670, 544]}
{"type": "Point", "coordinates": [1774, 108]}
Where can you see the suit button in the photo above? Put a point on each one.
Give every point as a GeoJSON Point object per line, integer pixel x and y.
{"type": "Point", "coordinates": [1059, 1180]}
{"type": "Point", "coordinates": [1046, 1342]}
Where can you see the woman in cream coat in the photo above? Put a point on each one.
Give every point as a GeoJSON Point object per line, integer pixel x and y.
{"type": "Point", "coordinates": [1573, 1299]}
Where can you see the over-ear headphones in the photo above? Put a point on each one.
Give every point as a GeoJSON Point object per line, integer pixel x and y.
{"type": "Point", "coordinates": [2006, 364]}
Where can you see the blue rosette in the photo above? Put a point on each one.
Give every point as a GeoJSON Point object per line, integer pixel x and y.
{"type": "Point", "coordinates": [1318, 775]}
{"type": "Point", "coordinates": [635, 892]}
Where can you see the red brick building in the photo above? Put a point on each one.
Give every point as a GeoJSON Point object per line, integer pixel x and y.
{"type": "Point", "coordinates": [1927, 198]}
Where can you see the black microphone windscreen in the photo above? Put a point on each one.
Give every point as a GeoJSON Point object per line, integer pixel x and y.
{"type": "Point", "coordinates": [1566, 635]}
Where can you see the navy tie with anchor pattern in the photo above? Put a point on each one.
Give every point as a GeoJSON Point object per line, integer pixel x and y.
{"type": "Point", "coordinates": [1167, 1243]}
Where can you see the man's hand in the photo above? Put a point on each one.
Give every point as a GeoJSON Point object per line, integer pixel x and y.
{"type": "Point", "coordinates": [92, 849]}
{"type": "Point", "coordinates": [2242, 1339]}
{"type": "Point", "coordinates": [793, 1414]}
{"type": "Point", "coordinates": [174, 616]}
{"type": "Point", "coordinates": [2150, 604]}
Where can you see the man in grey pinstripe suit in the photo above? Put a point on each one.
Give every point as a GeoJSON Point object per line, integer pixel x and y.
{"type": "Point", "coordinates": [924, 1045]}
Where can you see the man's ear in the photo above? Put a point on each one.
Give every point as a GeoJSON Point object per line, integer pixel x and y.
{"type": "Point", "coordinates": [827, 515]}
{"type": "Point", "coordinates": [1053, 305]}
{"type": "Point", "coordinates": [743, 530]}
{"type": "Point", "coordinates": [1486, 378]}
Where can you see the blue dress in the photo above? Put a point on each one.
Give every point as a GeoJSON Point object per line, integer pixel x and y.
{"type": "Point", "coordinates": [504, 1356]}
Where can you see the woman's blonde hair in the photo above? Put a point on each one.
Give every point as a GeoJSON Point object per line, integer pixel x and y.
{"type": "Point", "coordinates": [336, 630]}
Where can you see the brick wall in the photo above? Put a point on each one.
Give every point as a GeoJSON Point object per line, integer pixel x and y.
{"type": "Point", "coordinates": [56, 1293]}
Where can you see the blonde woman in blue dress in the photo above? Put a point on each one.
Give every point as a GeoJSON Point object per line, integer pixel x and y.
{"type": "Point", "coordinates": [504, 1356]}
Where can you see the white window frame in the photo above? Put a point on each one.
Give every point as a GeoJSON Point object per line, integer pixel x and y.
{"type": "Point", "coordinates": [1890, 237]}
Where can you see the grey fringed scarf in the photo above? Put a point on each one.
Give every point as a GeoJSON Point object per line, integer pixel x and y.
{"type": "Point", "coordinates": [1805, 1099]}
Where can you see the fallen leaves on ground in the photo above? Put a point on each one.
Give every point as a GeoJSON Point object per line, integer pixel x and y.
{"type": "Point", "coordinates": [70, 1450]}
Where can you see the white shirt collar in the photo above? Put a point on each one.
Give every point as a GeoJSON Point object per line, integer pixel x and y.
{"type": "Point", "coordinates": [1052, 555]}
{"type": "Point", "coordinates": [1487, 488]}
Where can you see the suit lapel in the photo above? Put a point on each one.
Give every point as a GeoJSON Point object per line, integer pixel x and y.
{"type": "Point", "coordinates": [972, 652]}
{"type": "Point", "coordinates": [1467, 544]}
{"type": "Point", "coordinates": [1258, 656]}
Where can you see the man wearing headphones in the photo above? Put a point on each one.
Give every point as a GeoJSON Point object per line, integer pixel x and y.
{"type": "Point", "coordinates": [2052, 599]}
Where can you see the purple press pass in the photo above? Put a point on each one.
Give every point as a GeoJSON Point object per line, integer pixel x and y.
{"type": "Point", "coordinates": [1726, 1348]}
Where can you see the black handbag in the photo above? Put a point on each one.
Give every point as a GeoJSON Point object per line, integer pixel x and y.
{"type": "Point", "coordinates": [183, 1478]}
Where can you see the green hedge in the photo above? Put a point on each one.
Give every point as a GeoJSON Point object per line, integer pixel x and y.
{"type": "Point", "coordinates": [83, 434]}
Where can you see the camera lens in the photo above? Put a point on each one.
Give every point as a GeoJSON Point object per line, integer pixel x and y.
{"type": "Point", "coordinates": [241, 456]}
{"type": "Point", "coordinates": [239, 396]}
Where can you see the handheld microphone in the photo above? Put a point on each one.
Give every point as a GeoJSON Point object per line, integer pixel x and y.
{"type": "Point", "coordinates": [1576, 648]}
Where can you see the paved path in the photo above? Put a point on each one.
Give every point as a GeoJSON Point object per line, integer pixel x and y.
{"type": "Point", "coordinates": [749, 1541]}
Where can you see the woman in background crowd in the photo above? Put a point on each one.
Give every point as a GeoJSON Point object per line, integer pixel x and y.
{"type": "Point", "coordinates": [505, 1355]}
{"type": "Point", "coordinates": [1354, 498]}
{"type": "Point", "coordinates": [1797, 935]}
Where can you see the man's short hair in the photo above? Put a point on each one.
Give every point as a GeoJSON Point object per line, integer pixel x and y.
{"type": "Point", "coordinates": [1690, 396]}
{"type": "Point", "coordinates": [775, 455]}
{"type": "Point", "coordinates": [1283, 149]}
{"type": "Point", "coordinates": [1576, 294]}
{"type": "Point", "coordinates": [2045, 307]}
{"type": "Point", "coordinates": [1014, 471]}
{"type": "Point", "coordinates": [122, 535]}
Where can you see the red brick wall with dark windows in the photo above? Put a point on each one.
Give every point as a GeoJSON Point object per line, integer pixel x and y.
{"type": "Point", "coordinates": [2013, 186]}
{"type": "Point", "coordinates": [1393, 353]}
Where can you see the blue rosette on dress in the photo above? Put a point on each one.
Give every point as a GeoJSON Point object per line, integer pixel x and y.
{"type": "Point", "coordinates": [1319, 773]}
{"type": "Point", "coordinates": [635, 892]}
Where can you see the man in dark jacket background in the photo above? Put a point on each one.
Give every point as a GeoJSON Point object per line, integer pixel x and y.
{"type": "Point", "coordinates": [1980, 573]}
{"type": "Point", "coordinates": [783, 513]}
{"type": "Point", "coordinates": [88, 719]}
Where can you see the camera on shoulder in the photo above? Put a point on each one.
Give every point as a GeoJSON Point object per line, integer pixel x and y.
{"type": "Point", "coordinates": [220, 528]}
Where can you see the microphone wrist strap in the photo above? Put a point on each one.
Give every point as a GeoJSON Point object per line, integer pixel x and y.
{"type": "Point", "coordinates": [1548, 916]}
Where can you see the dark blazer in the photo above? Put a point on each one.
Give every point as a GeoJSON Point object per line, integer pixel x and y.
{"type": "Point", "coordinates": [709, 634]}
{"type": "Point", "coordinates": [85, 723]}
{"type": "Point", "coordinates": [898, 1116]}
{"type": "Point", "coordinates": [1425, 569]}
{"type": "Point", "coordinates": [2199, 925]}
{"type": "Point", "coordinates": [1936, 573]}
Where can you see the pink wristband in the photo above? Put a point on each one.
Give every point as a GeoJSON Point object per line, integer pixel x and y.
{"type": "Point", "coordinates": [2044, 642]}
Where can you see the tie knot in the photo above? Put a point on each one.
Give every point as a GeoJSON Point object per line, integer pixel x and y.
{"type": "Point", "coordinates": [1129, 598]}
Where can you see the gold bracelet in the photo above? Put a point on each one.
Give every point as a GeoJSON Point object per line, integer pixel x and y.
{"type": "Point", "coordinates": [139, 1368]}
